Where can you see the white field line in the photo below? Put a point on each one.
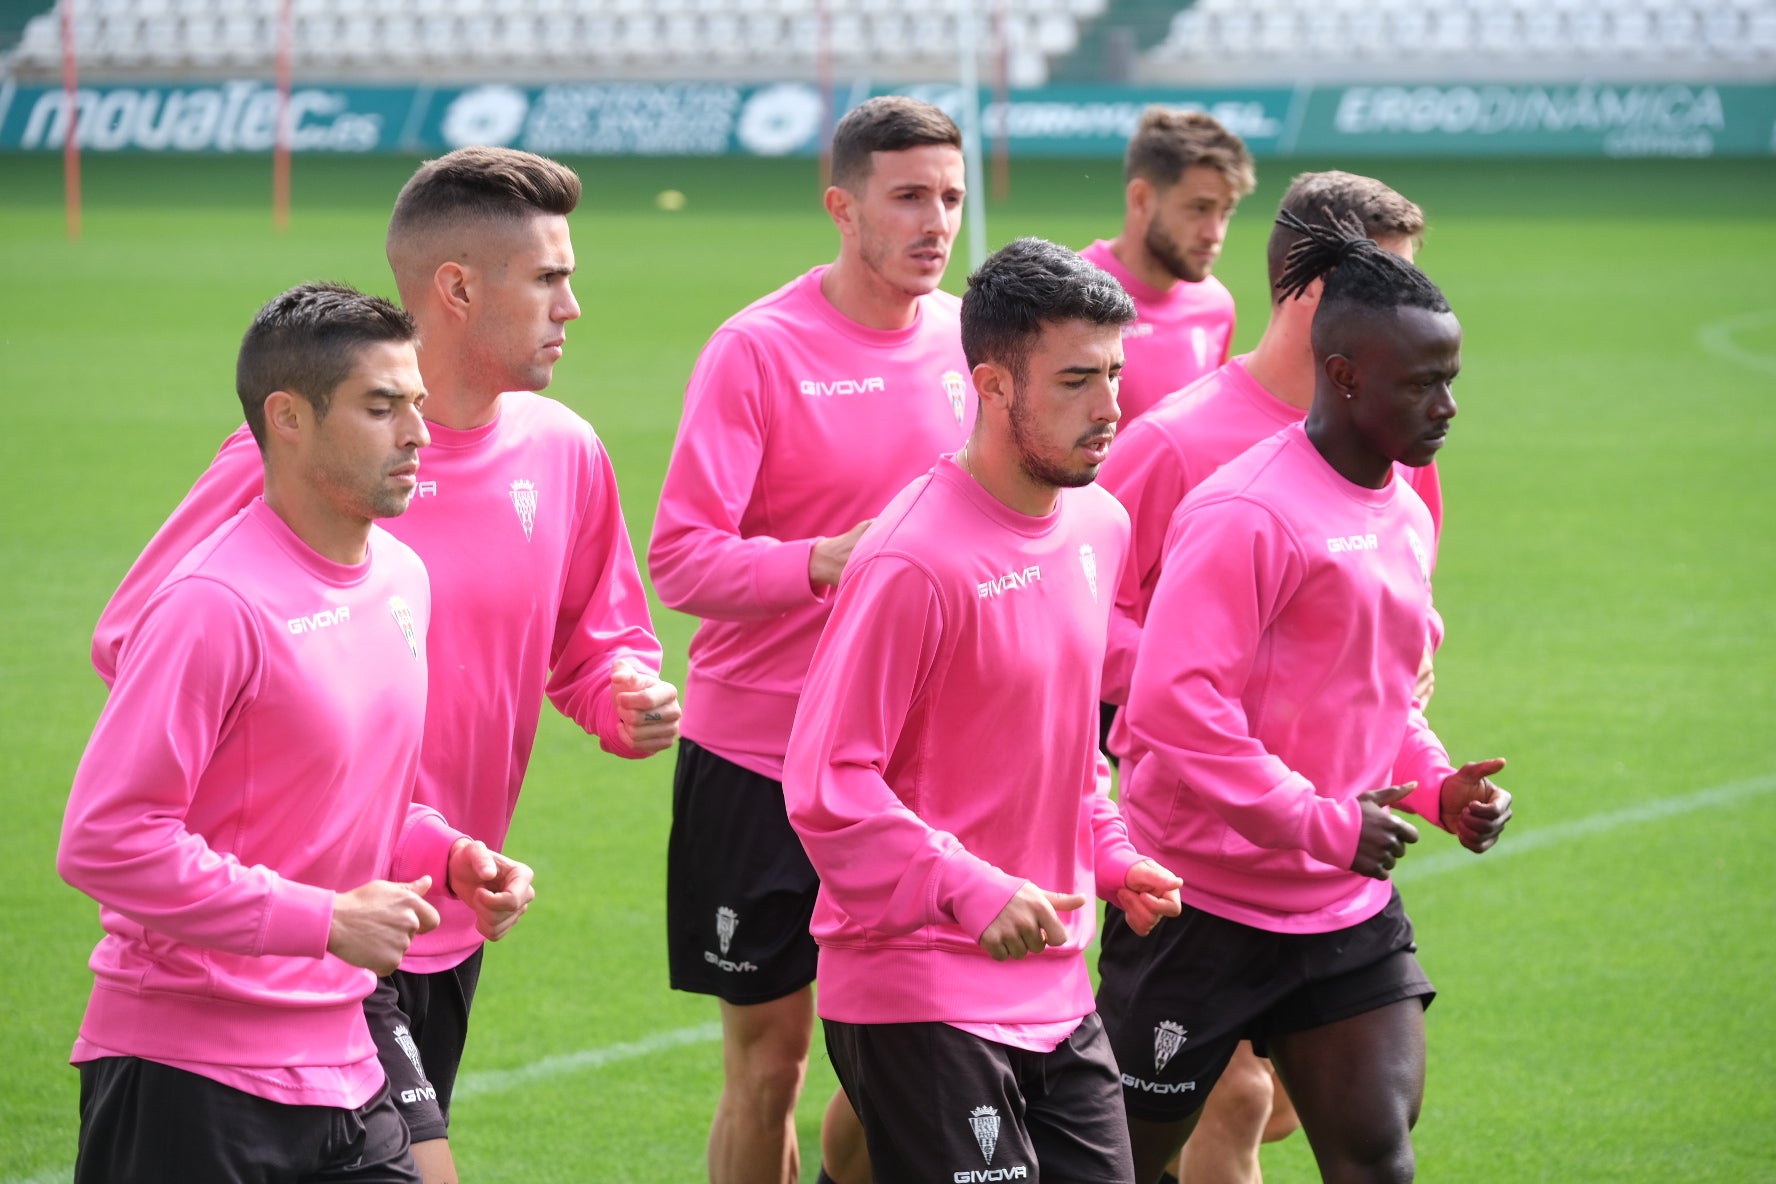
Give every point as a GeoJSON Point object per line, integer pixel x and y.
{"type": "Point", "coordinates": [1716, 338]}
{"type": "Point", "coordinates": [493, 1081]}
{"type": "Point", "coordinates": [1562, 833]}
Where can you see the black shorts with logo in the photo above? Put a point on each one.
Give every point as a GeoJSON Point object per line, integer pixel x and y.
{"type": "Point", "coordinates": [149, 1123]}
{"type": "Point", "coordinates": [420, 1023]}
{"type": "Point", "coordinates": [1178, 1002]}
{"type": "Point", "coordinates": [938, 1103]}
{"type": "Point", "coordinates": [739, 888]}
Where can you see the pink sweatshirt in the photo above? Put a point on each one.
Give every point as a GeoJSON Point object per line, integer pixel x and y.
{"type": "Point", "coordinates": [1181, 334]}
{"type": "Point", "coordinates": [799, 423]}
{"type": "Point", "coordinates": [945, 754]}
{"type": "Point", "coordinates": [256, 755]}
{"type": "Point", "coordinates": [1295, 609]}
{"type": "Point", "coordinates": [536, 589]}
{"type": "Point", "coordinates": [1160, 458]}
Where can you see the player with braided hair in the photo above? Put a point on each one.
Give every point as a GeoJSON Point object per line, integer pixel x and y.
{"type": "Point", "coordinates": [1279, 724]}
{"type": "Point", "coordinates": [1157, 461]}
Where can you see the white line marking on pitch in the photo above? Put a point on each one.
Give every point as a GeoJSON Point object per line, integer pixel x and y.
{"type": "Point", "coordinates": [493, 1081]}
{"type": "Point", "coordinates": [1584, 828]}
{"type": "Point", "coordinates": [1716, 338]}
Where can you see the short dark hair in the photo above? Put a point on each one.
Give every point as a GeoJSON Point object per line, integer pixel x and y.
{"type": "Point", "coordinates": [1166, 142]}
{"type": "Point", "coordinates": [1025, 285]}
{"type": "Point", "coordinates": [1339, 195]}
{"type": "Point", "coordinates": [1359, 276]}
{"type": "Point", "coordinates": [306, 341]}
{"type": "Point", "coordinates": [500, 184]}
{"type": "Point", "coordinates": [887, 123]}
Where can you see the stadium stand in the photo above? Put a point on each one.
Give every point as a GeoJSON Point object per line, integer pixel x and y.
{"type": "Point", "coordinates": [1217, 42]}
{"type": "Point", "coordinates": [556, 40]}
{"type": "Point", "coordinates": [1296, 41]}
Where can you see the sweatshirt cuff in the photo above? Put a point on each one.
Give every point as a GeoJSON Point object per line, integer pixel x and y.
{"type": "Point", "coordinates": [423, 849]}
{"type": "Point", "coordinates": [1427, 800]}
{"type": "Point", "coordinates": [780, 578]}
{"type": "Point", "coordinates": [299, 921]}
{"type": "Point", "coordinates": [973, 891]}
{"type": "Point", "coordinates": [1112, 870]}
{"type": "Point", "coordinates": [1333, 830]}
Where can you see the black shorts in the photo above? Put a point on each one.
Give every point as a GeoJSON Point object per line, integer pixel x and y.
{"type": "Point", "coordinates": [1178, 1002]}
{"type": "Point", "coordinates": [739, 888]}
{"type": "Point", "coordinates": [420, 1023]}
{"type": "Point", "coordinates": [938, 1103]}
{"type": "Point", "coordinates": [150, 1123]}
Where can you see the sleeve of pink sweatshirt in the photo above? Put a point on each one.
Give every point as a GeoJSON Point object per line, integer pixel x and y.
{"type": "Point", "coordinates": [1423, 759]}
{"type": "Point", "coordinates": [235, 477]}
{"type": "Point", "coordinates": [124, 840]}
{"type": "Point", "coordinates": [1428, 484]}
{"type": "Point", "coordinates": [1147, 477]}
{"type": "Point", "coordinates": [878, 860]}
{"type": "Point", "coordinates": [1229, 566]}
{"type": "Point", "coordinates": [603, 617]}
{"type": "Point", "coordinates": [700, 561]}
{"type": "Point", "coordinates": [423, 848]}
{"type": "Point", "coordinates": [1113, 853]}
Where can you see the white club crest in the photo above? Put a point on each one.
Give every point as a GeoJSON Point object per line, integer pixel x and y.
{"type": "Point", "coordinates": [956, 387]}
{"type": "Point", "coordinates": [985, 1121]}
{"type": "Point", "coordinates": [1199, 345]}
{"type": "Point", "coordinates": [524, 500]}
{"type": "Point", "coordinates": [726, 921]}
{"type": "Point", "coordinates": [1419, 553]}
{"type": "Point", "coordinates": [1089, 561]}
{"type": "Point", "coordinates": [405, 1040]}
{"type": "Point", "coordinates": [1168, 1038]}
{"type": "Point", "coordinates": [403, 614]}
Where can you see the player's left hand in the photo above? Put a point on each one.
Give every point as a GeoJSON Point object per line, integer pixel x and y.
{"type": "Point", "coordinates": [1472, 808]}
{"type": "Point", "coordinates": [497, 888]}
{"type": "Point", "coordinates": [1149, 892]}
{"type": "Point", "coordinates": [647, 708]}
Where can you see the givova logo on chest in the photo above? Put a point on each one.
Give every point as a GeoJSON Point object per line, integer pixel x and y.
{"type": "Point", "coordinates": [1011, 581]}
{"type": "Point", "coordinates": [1352, 542]}
{"type": "Point", "coordinates": [842, 386]}
{"type": "Point", "coordinates": [315, 622]}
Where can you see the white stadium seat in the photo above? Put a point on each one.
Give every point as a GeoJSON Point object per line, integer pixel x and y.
{"type": "Point", "coordinates": [1208, 41]}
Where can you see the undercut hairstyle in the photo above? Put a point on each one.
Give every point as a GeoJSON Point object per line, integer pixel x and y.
{"type": "Point", "coordinates": [888, 123]}
{"type": "Point", "coordinates": [1360, 277]}
{"type": "Point", "coordinates": [480, 184]}
{"type": "Point", "coordinates": [1166, 142]}
{"type": "Point", "coordinates": [1341, 196]}
{"type": "Point", "coordinates": [306, 341]}
{"type": "Point", "coordinates": [1025, 285]}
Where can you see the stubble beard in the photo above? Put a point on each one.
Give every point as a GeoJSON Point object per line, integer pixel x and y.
{"type": "Point", "coordinates": [1040, 468]}
{"type": "Point", "coordinates": [1163, 247]}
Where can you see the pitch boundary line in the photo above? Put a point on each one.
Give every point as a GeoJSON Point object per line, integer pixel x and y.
{"type": "Point", "coordinates": [1716, 338]}
{"type": "Point", "coordinates": [494, 1081]}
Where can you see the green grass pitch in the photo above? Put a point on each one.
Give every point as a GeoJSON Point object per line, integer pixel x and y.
{"type": "Point", "coordinates": [1607, 1009]}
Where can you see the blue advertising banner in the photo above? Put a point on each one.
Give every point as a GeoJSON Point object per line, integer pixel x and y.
{"type": "Point", "coordinates": [714, 119]}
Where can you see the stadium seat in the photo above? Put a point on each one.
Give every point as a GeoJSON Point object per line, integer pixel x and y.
{"type": "Point", "coordinates": [912, 40]}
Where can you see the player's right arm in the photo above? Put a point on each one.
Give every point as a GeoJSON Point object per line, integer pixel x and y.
{"type": "Point", "coordinates": [701, 559]}
{"type": "Point", "coordinates": [235, 477]}
{"type": "Point", "coordinates": [882, 864]}
{"type": "Point", "coordinates": [193, 662]}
